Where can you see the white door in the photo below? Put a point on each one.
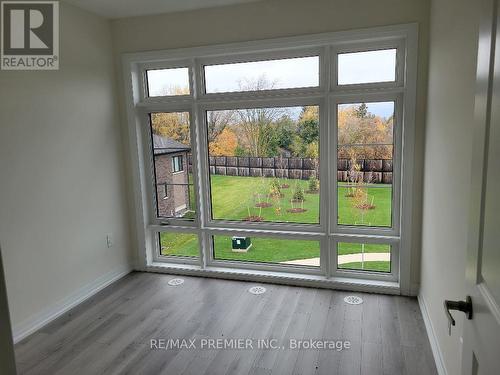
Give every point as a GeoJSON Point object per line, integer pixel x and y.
{"type": "Point", "coordinates": [481, 346]}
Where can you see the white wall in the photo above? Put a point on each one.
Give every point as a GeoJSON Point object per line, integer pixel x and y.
{"type": "Point", "coordinates": [448, 145]}
{"type": "Point", "coordinates": [277, 18]}
{"type": "Point", "coordinates": [62, 183]}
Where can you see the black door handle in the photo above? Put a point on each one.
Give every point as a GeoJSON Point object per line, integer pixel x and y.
{"type": "Point", "coordinates": [464, 306]}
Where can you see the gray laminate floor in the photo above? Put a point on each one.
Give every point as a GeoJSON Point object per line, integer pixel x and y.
{"type": "Point", "coordinates": [111, 333]}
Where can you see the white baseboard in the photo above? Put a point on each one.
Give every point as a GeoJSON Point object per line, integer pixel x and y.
{"type": "Point", "coordinates": [431, 333]}
{"type": "Point", "coordinates": [47, 315]}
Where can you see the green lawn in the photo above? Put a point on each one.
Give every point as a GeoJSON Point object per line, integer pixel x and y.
{"type": "Point", "coordinates": [270, 250]}
{"type": "Point", "coordinates": [379, 216]}
{"type": "Point", "coordinates": [234, 198]}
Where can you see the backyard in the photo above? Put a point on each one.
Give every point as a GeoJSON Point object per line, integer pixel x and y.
{"type": "Point", "coordinates": [246, 143]}
{"type": "Point", "coordinates": [236, 198]}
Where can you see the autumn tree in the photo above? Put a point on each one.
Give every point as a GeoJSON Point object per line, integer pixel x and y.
{"type": "Point", "coordinates": [217, 121]}
{"type": "Point", "coordinates": [367, 137]}
{"type": "Point", "coordinates": [173, 125]}
{"type": "Point", "coordinates": [224, 144]}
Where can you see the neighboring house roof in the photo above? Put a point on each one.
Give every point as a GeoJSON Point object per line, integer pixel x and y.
{"type": "Point", "coordinates": [163, 145]}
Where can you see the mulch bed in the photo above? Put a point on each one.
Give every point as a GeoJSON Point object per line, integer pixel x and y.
{"type": "Point", "coordinates": [365, 206]}
{"type": "Point", "coordinates": [285, 186]}
{"type": "Point", "coordinates": [312, 191]}
{"type": "Point", "coordinates": [297, 200]}
{"type": "Point", "coordinates": [296, 210]}
{"type": "Point", "coordinates": [254, 218]}
{"type": "Point", "coordinates": [263, 205]}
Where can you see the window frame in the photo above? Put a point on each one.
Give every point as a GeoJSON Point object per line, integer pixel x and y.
{"type": "Point", "coordinates": [327, 232]}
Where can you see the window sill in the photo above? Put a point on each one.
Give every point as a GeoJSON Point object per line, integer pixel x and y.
{"type": "Point", "coordinates": [297, 279]}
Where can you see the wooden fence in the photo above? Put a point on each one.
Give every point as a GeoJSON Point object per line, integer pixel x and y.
{"type": "Point", "coordinates": [370, 170]}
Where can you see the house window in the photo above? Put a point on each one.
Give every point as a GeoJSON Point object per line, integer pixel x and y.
{"type": "Point", "coordinates": [297, 155]}
{"type": "Point", "coordinates": [177, 164]}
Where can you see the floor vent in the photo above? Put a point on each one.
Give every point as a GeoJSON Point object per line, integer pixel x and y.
{"type": "Point", "coordinates": [175, 282]}
{"type": "Point", "coordinates": [257, 290]}
{"type": "Point", "coordinates": [353, 300]}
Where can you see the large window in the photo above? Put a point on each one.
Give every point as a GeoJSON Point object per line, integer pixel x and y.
{"type": "Point", "coordinates": [288, 156]}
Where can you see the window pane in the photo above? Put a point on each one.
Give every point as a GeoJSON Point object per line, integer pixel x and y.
{"type": "Point", "coordinates": [264, 164]}
{"type": "Point", "coordinates": [263, 75]}
{"type": "Point", "coordinates": [267, 250]}
{"type": "Point", "coordinates": [364, 163]}
{"type": "Point", "coordinates": [364, 257]}
{"type": "Point", "coordinates": [179, 244]}
{"type": "Point", "coordinates": [163, 82]}
{"type": "Point", "coordinates": [367, 67]}
{"type": "Point", "coordinates": [171, 143]}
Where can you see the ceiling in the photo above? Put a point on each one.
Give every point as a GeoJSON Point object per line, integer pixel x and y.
{"type": "Point", "coordinates": [130, 8]}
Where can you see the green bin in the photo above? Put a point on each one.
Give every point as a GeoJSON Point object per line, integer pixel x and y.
{"type": "Point", "coordinates": [241, 244]}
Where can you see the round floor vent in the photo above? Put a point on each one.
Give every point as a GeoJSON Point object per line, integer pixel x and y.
{"type": "Point", "coordinates": [353, 300]}
{"type": "Point", "coordinates": [257, 290]}
{"type": "Point", "coordinates": [175, 282]}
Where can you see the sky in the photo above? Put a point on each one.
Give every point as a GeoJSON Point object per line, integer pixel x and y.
{"type": "Point", "coordinates": [358, 67]}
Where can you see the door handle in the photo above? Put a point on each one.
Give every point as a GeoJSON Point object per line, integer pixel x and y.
{"type": "Point", "coordinates": [464, 306]}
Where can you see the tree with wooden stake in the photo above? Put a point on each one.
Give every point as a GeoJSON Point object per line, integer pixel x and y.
{"type": "Point", "coordinates": [262, 193]}
{"type": "Point", "coordinates": [362, 201]}
{"type": "Point", "coordinates": [280, 172]}
{"type": "Point", "coordinates": [297, 200]}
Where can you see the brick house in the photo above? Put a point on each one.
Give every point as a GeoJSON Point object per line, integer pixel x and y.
{"type": "Point", "coordinates": [171, 168]}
